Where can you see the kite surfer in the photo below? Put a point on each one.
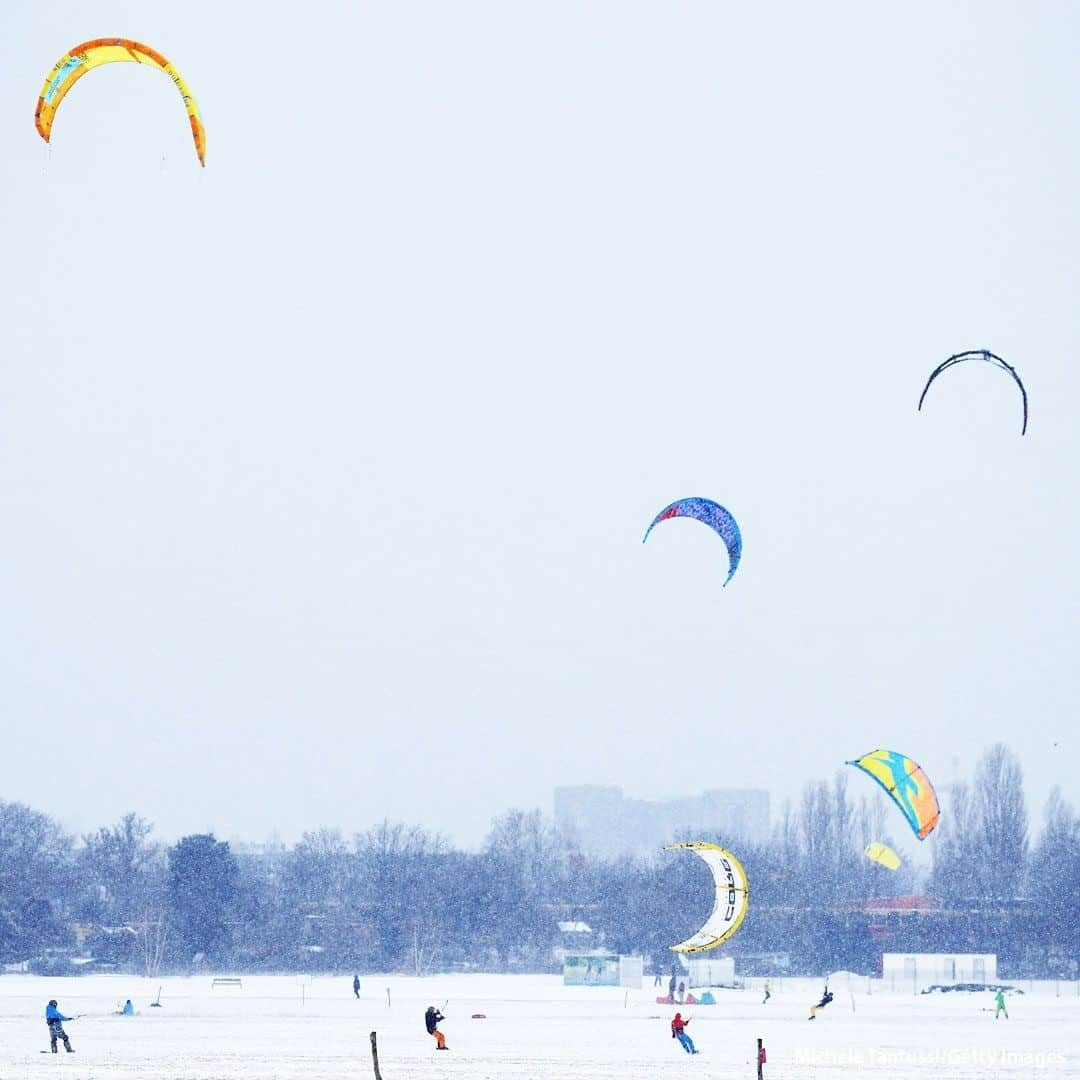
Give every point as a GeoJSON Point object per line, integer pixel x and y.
{"type": "Point", "coordinates": [678, 1031]}
{"type": "Point", "coordinates": [431, 1022]}
{"type": "Point", "coordinates": [54, 1018]}
{"type": "Point", "coordinates": [825, 999]}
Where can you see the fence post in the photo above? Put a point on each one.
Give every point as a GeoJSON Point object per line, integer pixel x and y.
{"type": "Point", "coordinates": [375, 1056]}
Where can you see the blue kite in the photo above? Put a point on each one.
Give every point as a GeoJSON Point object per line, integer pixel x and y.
{"type": "Point", "coordinates": [708, 513]}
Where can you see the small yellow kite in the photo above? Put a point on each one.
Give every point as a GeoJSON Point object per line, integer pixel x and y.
{"type": "Point", "coordinates": [883, 854]}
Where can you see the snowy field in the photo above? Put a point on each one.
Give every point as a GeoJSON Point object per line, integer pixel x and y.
{"type": "Point", "coordinates": [286, 1027]}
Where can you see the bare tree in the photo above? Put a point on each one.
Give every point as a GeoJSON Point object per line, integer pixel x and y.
{"type": "Point", "coordinates": [422, 948]}
{"type": "Point", "coordinates": [814, 829]}
{"type": "Point", "coordinates": [955, 876]}
{"type": "Point", "coordinates": [121, 862]}
{"type": "Point", "coordinates": [1002, 823]}
{"type": "Point", "coordinates": [397, 867]}
{"type": "Point", "coordinates": [827, 840]}
{"type": "Point", "coordinates": [523, 856]}
{"type": "Point", "coordinates": [870, 827]}
{"type": "Point", "coordinates": [1055, 881]}
{"type": "Point", "coordinates": [153, 932]}
{"type": "Point", "coordinates": [842, 840]}
{"type": "Point", "coordinates": [321, 868]}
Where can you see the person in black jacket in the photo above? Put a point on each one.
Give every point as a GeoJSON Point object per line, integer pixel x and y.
{"type": "Point", "coordinates": [826, 998]}
{"type": "Point", "coordinates": [356, 985]}
{"type": "Point", "coordinates": [431, 1022]}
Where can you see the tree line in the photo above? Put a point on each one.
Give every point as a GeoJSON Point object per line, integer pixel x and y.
{"type": "Point", "coordinates": [400, 898]}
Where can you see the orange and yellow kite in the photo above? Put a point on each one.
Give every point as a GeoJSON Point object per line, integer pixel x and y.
{"type": "Point", "coordinates": [73, 65]}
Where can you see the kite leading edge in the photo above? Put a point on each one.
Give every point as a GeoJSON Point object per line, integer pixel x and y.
{"type": "Point", "coordinates": [73, 65]}
{"type": "Point", "coordinates": [989, 357]}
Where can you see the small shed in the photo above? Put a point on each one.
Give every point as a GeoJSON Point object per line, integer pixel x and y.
{"type": "Point", "coordinates": [710, 970]}
{"type": "Point", "coordinates": [603, 969]}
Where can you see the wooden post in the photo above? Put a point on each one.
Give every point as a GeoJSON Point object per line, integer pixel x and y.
{"type": "Point", "coordinates": [760, 1060]}
{"type": "Point", "coordinates": [375, 1056]}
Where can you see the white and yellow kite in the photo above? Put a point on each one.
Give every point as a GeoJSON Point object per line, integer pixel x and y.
{"type": "Point", "coordinates": [731, 900]}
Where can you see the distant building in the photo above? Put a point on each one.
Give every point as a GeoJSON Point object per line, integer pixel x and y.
{"type": "Point", "coordinates": [607, 824]}
{"type": "Point", "coordinates": [920, 969]}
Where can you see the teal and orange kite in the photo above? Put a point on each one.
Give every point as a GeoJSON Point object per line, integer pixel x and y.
{"type": "Point", "coordinates": [908, 785]}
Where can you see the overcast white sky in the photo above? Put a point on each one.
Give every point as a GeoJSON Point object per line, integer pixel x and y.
{"type": "Point", "coordinates": [324, 470]}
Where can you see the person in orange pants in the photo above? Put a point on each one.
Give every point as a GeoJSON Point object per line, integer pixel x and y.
{"type": "Point", "coordinates": [431, 1022]}
{"type": "Point", "coordinates": [826, 998]}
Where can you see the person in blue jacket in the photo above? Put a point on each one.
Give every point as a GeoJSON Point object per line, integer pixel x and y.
{"type": "Point", "coordinates": [54, 1018]}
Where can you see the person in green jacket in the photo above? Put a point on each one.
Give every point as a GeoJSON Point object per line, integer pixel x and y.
{"type": "Point", "coordinates": [999, 1001]}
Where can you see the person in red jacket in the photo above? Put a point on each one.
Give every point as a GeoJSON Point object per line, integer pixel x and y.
{"type": "Point", "coordinates": [678, 1031]}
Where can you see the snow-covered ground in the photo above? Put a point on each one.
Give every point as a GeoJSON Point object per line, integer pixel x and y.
{"type": "Point", "coordinates": [285, 1027]}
